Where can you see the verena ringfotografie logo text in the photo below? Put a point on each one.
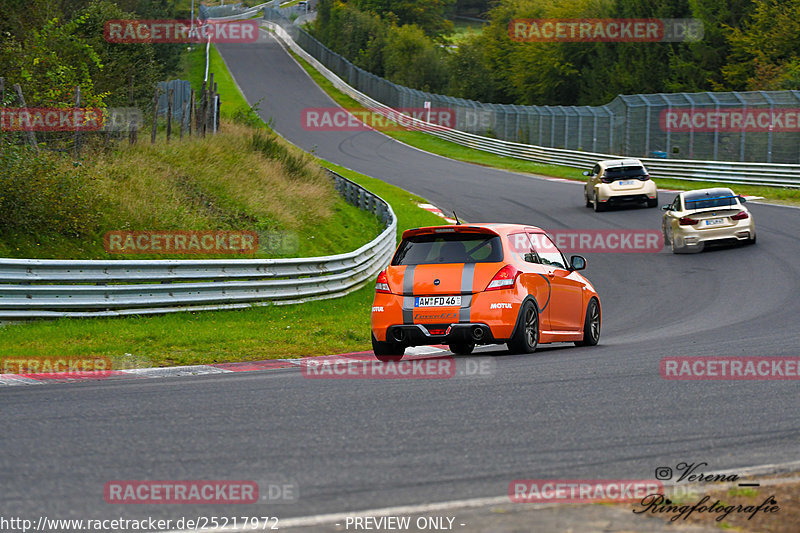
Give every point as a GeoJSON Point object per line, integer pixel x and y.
{"type": "Point", "coordinates": [730, 368]}
{"type": "Point", "coordinates": [605, 30]}
{"type": "Point", "coordinates": [65, 365]}
{"type": "Point", "coordinates": [730, 120]}
{"type": "Point", "coordinates": [339, 119]}
{"type": "Point", "coordinates": [133, 31]}
{"type": "Point", "coordinates": [581, 490]}
{"type": "Point", "coordinates": [180, 242]}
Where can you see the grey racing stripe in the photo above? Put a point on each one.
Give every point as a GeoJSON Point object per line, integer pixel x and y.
{"type": "Point", "coordinates": [408, 295]}
{"type": "Point", "coordinates": [467, 279]}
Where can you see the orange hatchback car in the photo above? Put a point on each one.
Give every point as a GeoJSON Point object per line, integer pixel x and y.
{"type": "Point", "coordinates": [473, 284]}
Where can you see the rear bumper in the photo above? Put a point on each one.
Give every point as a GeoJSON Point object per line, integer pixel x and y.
{"type": "Point", "coordinates": [421, 335]}
{"type": "Point", "coordinates": [494, 313]}
{"type": "Point", "coordinates": [647, 191]}
{"type": "Point", "coordinates": [742, 231]}
{"type": "Point", "coordinates": [626, 199]}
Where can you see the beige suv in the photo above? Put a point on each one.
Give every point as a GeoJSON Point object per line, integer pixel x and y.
{"type": "Point", "coordinates": [619, 181]}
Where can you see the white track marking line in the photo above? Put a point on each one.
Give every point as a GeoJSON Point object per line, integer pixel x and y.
{"type": "Point", "coordinates": [333, 518]}
{"type": "Point", "coordinates": [14, 379]}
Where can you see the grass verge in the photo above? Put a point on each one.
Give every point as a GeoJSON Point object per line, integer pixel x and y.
{"type": "Point", "coordinates": [232, 102]}
{"type": "Point", "coordinates": [315, 328]}
{"type": "Point", "coordinates": [238, 180]}
{"type": "Point", "coordinates": [441, 147]}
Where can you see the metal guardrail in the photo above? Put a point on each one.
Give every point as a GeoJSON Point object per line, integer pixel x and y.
{"type": "Point", "coordinates": [250, 12]}
{"type": "Point", "coordinates": [780, 175]}
{"type": "Point", "coordinates": [48, 288]}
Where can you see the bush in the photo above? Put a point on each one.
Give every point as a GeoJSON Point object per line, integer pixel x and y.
{"type": "Point", "coordinates": [42, 194]}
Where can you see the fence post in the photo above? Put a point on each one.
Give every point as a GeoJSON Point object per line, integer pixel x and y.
{"type": "Point", "coordinates": [201, 116]}
{"type": "Point", "coordinates": [77, 142]}
{"type": "Point", "coordinates": [155, 118]}
{"type": "Point", "coordinates": [215, 109]}
{"type": "Point", "coordinates": [771, 126]}
{"type": "Point", "coordinates": [183, 117]}
{"type": "Point", "coordinates": [192, 112]}
{"type": "Point", "coordinates": [169, 112]}
{"type": "Point", "coordinates": [691, 126]}
{"type": "Point", "coordinates": [31, 134]}
{"type": "Point", "coordinates": [627, 149]}
{"type": "Point", "coordinates": [647, 128]}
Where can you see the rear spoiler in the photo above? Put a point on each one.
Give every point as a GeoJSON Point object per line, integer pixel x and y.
{"type": "Point", "coordinates": [448, 229]}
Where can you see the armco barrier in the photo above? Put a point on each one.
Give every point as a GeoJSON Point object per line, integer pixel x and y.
{"type": "Point", "coordinates": [47, 288]}
{"type": "Point", "coordinates": [780, 175]}
{"type": "Point", "coordinates": [246, 14]}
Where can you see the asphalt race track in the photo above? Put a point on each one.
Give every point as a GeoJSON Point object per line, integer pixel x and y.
{"type": "Point", "coordinates": [563, 412]}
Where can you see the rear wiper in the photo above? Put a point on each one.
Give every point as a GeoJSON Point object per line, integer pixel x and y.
{"type": "Point", "coordinates": [481, 245]}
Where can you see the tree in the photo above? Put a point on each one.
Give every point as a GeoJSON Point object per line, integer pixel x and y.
{"type": "Point", "coordinates": [411, 59]}
{"type": "Point", "coordinates": [470, 76]}
{"type": "Point", "coordinates": [50, 63]}
{"type": "Point", "coordinates": [428, 15]}
{"type": "Point", "coordinates": [129, 72]}
{"type": "Point", "coordinates": [765, 52]}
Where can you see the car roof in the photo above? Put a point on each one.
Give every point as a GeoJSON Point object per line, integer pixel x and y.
{"type": "Point", "coordinates": [713, 192]}
{"type": "Point", "coordinates": [620, 163]}
{"type": "Point", "coordinates": [498, 228]}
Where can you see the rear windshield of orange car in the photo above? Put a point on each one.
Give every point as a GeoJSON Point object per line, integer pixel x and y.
{"type": "Point", "coordinates": [434, 249]}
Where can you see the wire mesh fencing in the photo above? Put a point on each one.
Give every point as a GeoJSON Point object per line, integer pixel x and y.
{"type": "Point", "coordinates": [753, 126]}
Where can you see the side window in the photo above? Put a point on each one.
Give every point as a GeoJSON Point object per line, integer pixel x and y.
{"type": "Point", "coordinates": [676, 205]}
{"type": "Point", "coordinates": [521, 244]}
{"type": "Point", "coordinates": [547, 251]}
{"type": "Point", "coordinates": [596, 170]}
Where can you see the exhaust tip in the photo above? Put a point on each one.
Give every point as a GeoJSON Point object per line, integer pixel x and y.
{"type": "Point", "coordinates": [398, 335]}
{"type": "Point", "coordinates": [477, 333]}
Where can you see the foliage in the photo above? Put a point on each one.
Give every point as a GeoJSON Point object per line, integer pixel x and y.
{"type": "Point", "coordinates": [747, 45]}
{"type": "Point", "coordinates": [765, 51]}
{"type": "Point", "coordinates": [51, 46]}
{"type": "Point", "coordinates": [428, 15]}
{"type": "Point", "coordinates": [412, 60]}
{"type": "Point", "coordinates": [43, 195]}
{"type": "Point", "coordinates": [51, 63]}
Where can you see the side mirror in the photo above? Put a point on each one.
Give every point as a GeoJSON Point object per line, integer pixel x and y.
{"type": "Point", "coordinates": [586, 173]}
{"type": "Point", "coordinates": [666, 208]}
{"type": "Point", "coordinates": [742, 199]}
{"type": "Point", "coordinates": [530, 257]}
{"type": "Point", "coordinates": [577, 262]}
